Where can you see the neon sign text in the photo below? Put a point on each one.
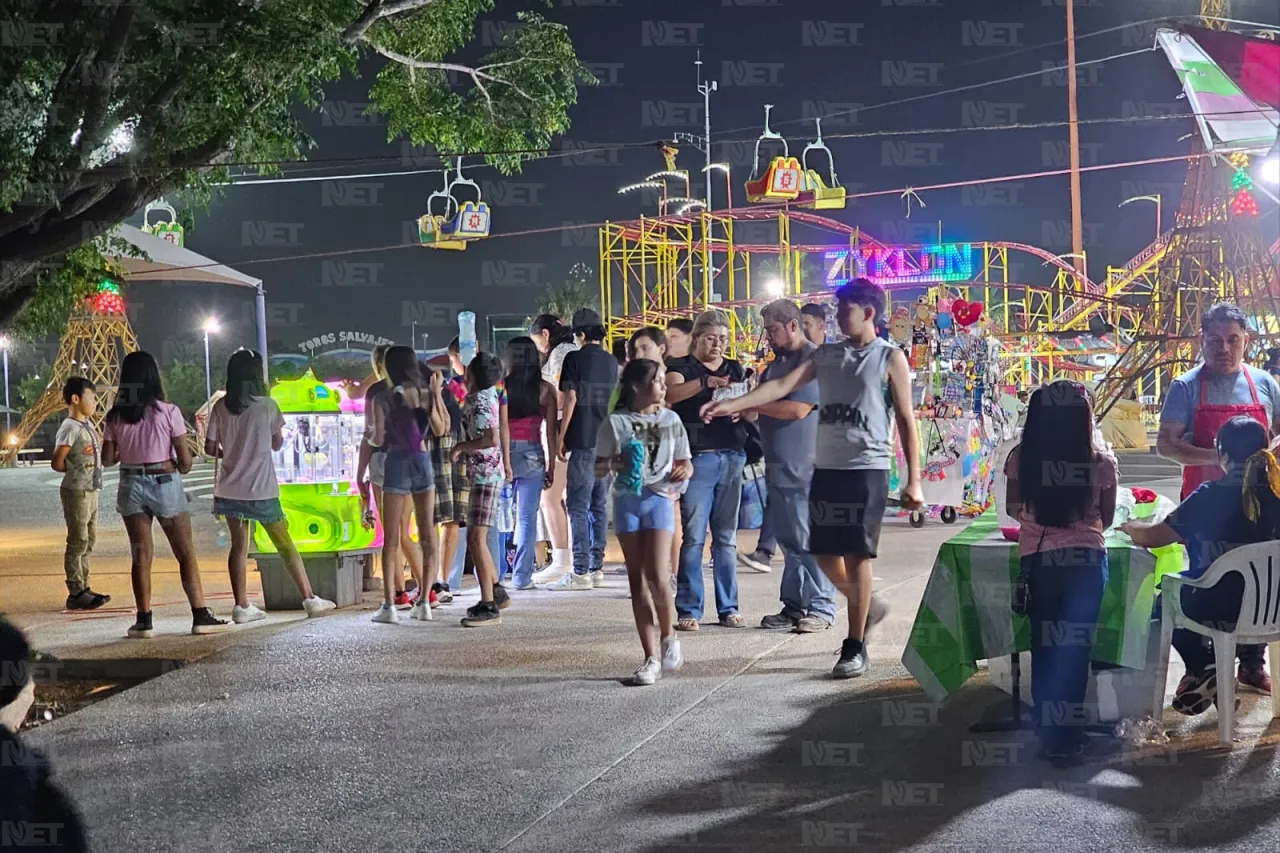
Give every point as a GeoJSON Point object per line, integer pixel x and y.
{"type": "Point", "coordinates": [889, 265]}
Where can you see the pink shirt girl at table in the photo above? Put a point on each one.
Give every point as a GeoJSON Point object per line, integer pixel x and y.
{"type": "Point", "coordinates": [1071, 528]}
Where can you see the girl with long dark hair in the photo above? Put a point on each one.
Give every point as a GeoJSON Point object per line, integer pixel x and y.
{"type": "Point", "coordinates": [1062, 490]}
{"type": "Point", "coordinates": [554, 340]}
{"type": "Point", "coordinates": [482, 417]}
{"type": "Point", "coordinates": [646, 446]}
{"type": "Point", "coordinates": [412, 411]}
{"type": "Point", "coordinates": [1242, 508]}
{"type": "Point", "coordinates": [147, 436]}
{"type": "Point", "coordinates": [531, 403]}
{"type": "Point", "coordinates": [245, 426]}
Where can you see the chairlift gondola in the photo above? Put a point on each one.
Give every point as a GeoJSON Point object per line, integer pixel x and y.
{"type": "Point", "coordinates": [781, 180]}
{"type": "Point", "coordinates": [472, 219]}
{"type": "Point", "coordinates": [431, 225]}
{"type": "Point", "coordinates": [815, 194]}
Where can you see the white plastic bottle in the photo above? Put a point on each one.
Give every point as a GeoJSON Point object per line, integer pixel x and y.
{"type": "Point", "coordinates": [467, 336]}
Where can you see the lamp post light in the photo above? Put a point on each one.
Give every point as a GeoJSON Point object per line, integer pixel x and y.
{"type": "Point", "coordinates": [4, 353]}
{"type": "Point", "coordinates": [210, 327]}
{"type": "Point", "coordinates": [1156, 200]}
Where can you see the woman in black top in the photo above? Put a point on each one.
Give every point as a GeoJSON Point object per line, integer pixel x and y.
{"type": "Point", "coordinates": [716, 486]}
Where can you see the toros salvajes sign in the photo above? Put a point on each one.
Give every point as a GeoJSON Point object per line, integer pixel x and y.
{"type": "Point", "coordinates": [341, 340]}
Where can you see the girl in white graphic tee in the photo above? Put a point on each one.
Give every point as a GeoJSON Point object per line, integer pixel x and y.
{"type": "Point", "coordinates": [245, 427]}
{"type": "Point", "coordinates": [646, 446]}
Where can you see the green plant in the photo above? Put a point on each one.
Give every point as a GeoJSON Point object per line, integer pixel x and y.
{"type": "Point", "coordinates": [565, 298]}
{"type": "Point", "coordinates": [30, 388]}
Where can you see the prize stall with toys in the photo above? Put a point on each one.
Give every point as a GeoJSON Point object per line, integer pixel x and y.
{"type": "Point", "coordinates": [956, 393]}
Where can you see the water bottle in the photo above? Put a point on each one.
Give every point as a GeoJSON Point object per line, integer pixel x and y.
{"type": "Point", "coordinates": [467, 336]}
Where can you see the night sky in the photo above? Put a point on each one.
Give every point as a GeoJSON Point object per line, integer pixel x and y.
{"type": "Point", "coordinates": [807, 58]}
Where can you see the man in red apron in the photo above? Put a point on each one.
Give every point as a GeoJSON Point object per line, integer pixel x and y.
{"type": "Point", "coordinates": [1199, 402]}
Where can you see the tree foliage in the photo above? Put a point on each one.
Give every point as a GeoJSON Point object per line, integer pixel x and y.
{"type": "Point", "coordinates": [563, 299]}
{"type": "Point", "coordinates": [184, 386]}
{"type": "Point", "coordinates": [32, 386]}
{"type": "Point", "coordinates": [105, 106]}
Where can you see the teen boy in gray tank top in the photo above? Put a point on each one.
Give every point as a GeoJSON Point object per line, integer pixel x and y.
{"type": "Point", "coordinates": [855, 430]}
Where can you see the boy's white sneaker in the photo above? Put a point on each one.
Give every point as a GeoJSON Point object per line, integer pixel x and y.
{"type": "Point", "coordinates": [245, 615]}
{"type": "Point", "coordinates": [387, 615]}
{"type": "Point", "coordinates": [648, 673]}
{"type": "Point", "coordinates": [572, 581]}
{"type": "Point", "coordinates": [315, 605]}
{"type": "Point", "coordinates": [672, 656]}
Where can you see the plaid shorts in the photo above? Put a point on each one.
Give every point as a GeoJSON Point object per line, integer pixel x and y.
{"type": "Point", "coordinates": [484, 504]}
{"type": "Point", "coordinates": [453, 488]}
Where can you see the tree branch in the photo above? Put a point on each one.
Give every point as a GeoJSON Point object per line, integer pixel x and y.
{"type": "Point", "coordinates": [377, 10]}
{"type": "Point", "coordinates": [476, 74]}
{"type": "Point", "coordinates": [93, 129]}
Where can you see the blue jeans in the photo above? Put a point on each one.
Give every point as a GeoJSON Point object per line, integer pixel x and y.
{"type": "Point", "coordinates": [587, 499]}
{"type": "Point", "coordinates": [768, 541]}
{"type": "Point", "coordinates": [1066, 595]}
{"type": "Point", "coordinates": [714, 492]}
{"type": "Point", "coordinates": [806, 590]}
{"type": "Point", "coordinates": [460, 557]}
{"type": "Point", "coordinates": [528, 491]}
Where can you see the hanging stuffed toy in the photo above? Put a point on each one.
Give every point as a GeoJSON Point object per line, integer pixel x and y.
{"type": "Point", "coordinates": [966, 313]}
{"type": "Point", "coordinates": [943, 317]}
{"type": "Point", "coordinates": [900, 327]}
{"type": "Point", "coordinates": [924, 314]}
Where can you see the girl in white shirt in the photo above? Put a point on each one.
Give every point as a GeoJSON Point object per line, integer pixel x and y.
{"type": "Point", "coordinates": [245, 427]}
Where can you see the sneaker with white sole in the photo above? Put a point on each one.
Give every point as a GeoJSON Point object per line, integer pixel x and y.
{"type": "Point", "coordinates": [204, 622]}
{"type": "Point", "coordinates": [315, 605]}
{"type": "Point", "coordinates": [757, 561]}
{"type": "Point", "coordinates": [572, 581]}
{"type": "Point", "coordinates": [420, 611]}
{"type": "Point", "coordinates": [551, 573]}
{"type": "Point", "coordinates": [597, 579]}
{"type": "Point", "coordinates": [387, 615]}
{"type": "Point", "coordinates": [249, 613]}
{"type": "Point", "coordinates": [648, 673]}
{"type": "Point", "coordinates": [672, 656]}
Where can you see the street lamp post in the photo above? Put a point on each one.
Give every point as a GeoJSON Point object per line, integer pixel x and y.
{"type": "Point", "coordinates": [4, 353]}
{"type": "Point", "coordinates": [210, 327]}
{"type": "Point", "coordinates": [1154, 199]}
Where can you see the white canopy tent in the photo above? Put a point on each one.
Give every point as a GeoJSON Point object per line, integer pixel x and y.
{"type": "Point", "coordinates": [167, 262]}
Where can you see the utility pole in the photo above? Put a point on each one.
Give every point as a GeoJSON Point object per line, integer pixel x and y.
{"type": "Point", "coordinates": [705, 89]}
{"type": "Point", "coordinates": [1073, 129]}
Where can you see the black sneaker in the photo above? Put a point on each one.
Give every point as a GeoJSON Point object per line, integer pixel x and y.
{"type": "Point", "coordinates": [86, 599]}
{"type": "Point", "coordinates": [1196, 692]}
{"type": "Point", "coordinates": [443, 595]}
{"type": "Point", "coordinates": [853, 660]}
{"type": "Point", "coordinates": [501, 597]}
{"type": "Point", "coordinates": [142, 629]}
{"type": "Point", "coordinates": [204, 622]}
{"type": "Point", "coordinates": [774, 621]}
{"type": "Point", "coordinates": [483, 614]}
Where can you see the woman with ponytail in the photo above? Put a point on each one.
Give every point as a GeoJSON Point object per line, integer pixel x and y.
{"type": "Point", "coordinates": [554, 341]}
{"type": "Point", "coordinates": [1240, 509]}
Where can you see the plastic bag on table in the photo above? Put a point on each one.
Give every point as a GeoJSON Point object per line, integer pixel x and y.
{"type": "Point", "coordinates": [1125, 503]}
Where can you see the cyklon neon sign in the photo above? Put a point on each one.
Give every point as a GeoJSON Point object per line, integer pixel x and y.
{"type": "Point", "coordinates": [889, 265]}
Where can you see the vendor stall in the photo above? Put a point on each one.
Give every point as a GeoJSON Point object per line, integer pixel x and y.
{"type": "Point", "coordinates": [966, 614]}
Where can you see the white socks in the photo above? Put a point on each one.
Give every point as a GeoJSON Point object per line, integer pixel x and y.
{"type": "Point", "coordinates": [562, 557]}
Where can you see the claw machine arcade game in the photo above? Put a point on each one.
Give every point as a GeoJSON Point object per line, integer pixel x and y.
{"type": "Point", "coordinates": [316, 469]}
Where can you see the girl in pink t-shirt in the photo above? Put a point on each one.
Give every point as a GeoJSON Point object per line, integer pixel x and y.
{"type": "Point", "coordinates": [1063, 492]}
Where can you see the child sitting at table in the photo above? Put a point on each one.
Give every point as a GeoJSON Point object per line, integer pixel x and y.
{"type": "Point", "coordinates": [1240, 509]}
{"type": "Point", "coordinates": [1063, 493]}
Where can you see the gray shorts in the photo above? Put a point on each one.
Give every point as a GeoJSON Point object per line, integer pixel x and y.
{"type": "Point", "coordinates": [156, 495]}
{"type": "Point", "coordinates": [377, 468]}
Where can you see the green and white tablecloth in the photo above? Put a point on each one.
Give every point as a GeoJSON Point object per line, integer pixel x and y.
{"type": "Point", "coordinates": [966, 615]}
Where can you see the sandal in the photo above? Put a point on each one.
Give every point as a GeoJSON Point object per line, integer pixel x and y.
{"type": "Point", "coordinates": [687, 624]}
{"type": "Point", "coordinates": [733, 620]}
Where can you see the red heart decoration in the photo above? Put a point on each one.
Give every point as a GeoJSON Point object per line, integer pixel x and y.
{"type": "Point", "coordinates": [966, 313]}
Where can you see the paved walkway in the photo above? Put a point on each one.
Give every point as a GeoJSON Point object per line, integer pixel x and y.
{"type": "Point", "coordinates": [336, 734]}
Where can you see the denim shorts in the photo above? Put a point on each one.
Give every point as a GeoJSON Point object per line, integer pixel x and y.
{"type": "Point", "coordinates": [266, 511]}
{"type": "Point", "coordinates": [407, 473]}
{"type": "Point", "coordinates": [156, 495]}
{"type": "Point", "coordinates": [647, 511]}
{"type": "Point", "coordinates": [377, 467]}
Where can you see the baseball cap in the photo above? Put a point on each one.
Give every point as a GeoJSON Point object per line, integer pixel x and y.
{"type": "Point", "coordinates": [585, 318]}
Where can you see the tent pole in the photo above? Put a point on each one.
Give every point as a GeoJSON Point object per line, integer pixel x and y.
{"type": "Point", "coordinates": [260, 300]}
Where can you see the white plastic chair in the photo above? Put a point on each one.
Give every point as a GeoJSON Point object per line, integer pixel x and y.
{"type": "Point", "coordinates": [1259, 622]}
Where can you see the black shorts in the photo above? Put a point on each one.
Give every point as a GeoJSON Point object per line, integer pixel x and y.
{"type": "Point", "coordinates": [846, 509]}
